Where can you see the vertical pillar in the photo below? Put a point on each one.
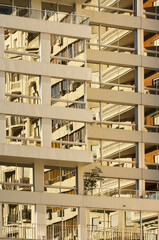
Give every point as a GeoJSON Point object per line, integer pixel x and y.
{"type": "Point", "coordinates": [78, 8]}
{"type": "Point", "coordinates": [39, 209]}
{"type": "Point", "coordinates": [35, 5]}
{"type": "Point", "coordinates": [158, 228]}
{"type": "Point", "coordinates": [80, 183]}
{"type": "Point", "coordinates": [123, 223]}
{"type": "Point", "coordinates": [41, 222]}
{"type": "Point", "coordinates": [82, 224]}
{"type": "Point", "coordinates": [45, 87]}
{"type": "Point", "coordinates": [138, 8]}
{"type": "Point", "coordinates": [46, 129]}
{"type": "Point", "coordinates": [139, 111]}
{"type": "Point", "coordinates": [2, 90]}
{"type": "Point", "coordinates": [38, 176]}
{"type": "Point", "coordinates": [1, 42]}
{"type": "Point", "coordinates": [0, 220]}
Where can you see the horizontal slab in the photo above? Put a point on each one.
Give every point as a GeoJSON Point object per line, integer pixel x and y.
{"type": "Point", "coordinates": [35, 110]}
{"type": "Point", "coordinates": [120, 135]}
{"type": "Point", "coordinates": [122, 59]}
{"type": "Point", "coordinates": [150, 137]}
{"type": "Point", "coordinates": [127, 173]}
{"type": "Point", "coordinates": [149, 24]}
{"type": "Point", "coordinates": [150, 100]}
{"type": "Point", "coordinates": [113, 134]}
{"type": "Point", "coordinates": [107, 57]}
{"type": "Point", "coordinates": [121, 97]}
{"type": "Point", "coordinates": [110, 96]}
{"type": "Point", "coordinates": [38, 25]}
{"type": "Point", "coordinates": [55, 157]}
{"type": "Point", "coordinates": [46, 69]}
{"type": "Point", "coordinates": [112, 20]}
{"type": "Point", "coordinates": [69, 200]}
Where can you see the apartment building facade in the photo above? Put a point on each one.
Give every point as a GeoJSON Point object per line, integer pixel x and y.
{"type": "Point", "coordinates": [79, 117]}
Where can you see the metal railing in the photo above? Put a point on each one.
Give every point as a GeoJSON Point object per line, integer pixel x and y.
{"type": "Point", "coordinates": [151, 90]}
{"type": "Point", "coordinates": [152, 15]}
{"type": "Point", "coordinates": [23, 98]}
{"type": "Point", "coordinates": [69, 103]}
{"type": "Point", "coordinates": [43, 14]}
{"type": "Point", "coordinates": [12, 54]}
{"type": "Point", "coordinates": [23, 140]}
{"type": "Point", "coordinates": [59, 189]}
{"type": "Point", "coordinates": [151, 128]}
{"type": "Point", "coordinates": [16, 186]}
{"type": "Point", "coordinates": [96, 233]}
{"type": "Point", "coordinates": [152, 53]}
{"type": "Point", "coordinates": [19, 231]}
{"type": "Point", "coordinates": [68, 144]}
{"type": "Point", "coordinates": [110, 124]}
{"type": "Point", "coordinates": [119, 87]}
{"type": "Point", "coordinates": [110, 9]}
{"type": "Point", "coordinates": [66, 60]}
{"type": "Point", "coordinates": [39, 231]}
{"type": "Point", "coordinates": [120, 192]}
{"type": "Point", "coordinates": [116, 162]}
{"type": "Point", "coordinates": [111, 47]}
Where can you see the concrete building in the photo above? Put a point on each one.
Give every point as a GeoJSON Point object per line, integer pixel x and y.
{"type": "Point", "coordinates": [79, 119]}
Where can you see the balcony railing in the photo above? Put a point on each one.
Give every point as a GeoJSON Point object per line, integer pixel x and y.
{"type": "Point", "coordinates": [109, 9]}
{"type": "Point", "coordinates": [15, 186]}
{"type": "Point", "coordinates": [23, 98]}
{"type": "Point", "coordinates": [126, 193]}
{"type": "Point", "coordinates": [69, 144]}
{"type": "Point", "coordinates": [96, 233]}
{"type": "Point", "coordinates": [23, 140]}
{"type": "Point", "coordinates": [43, 14]}
{"type": "Point", "coordinates": [39, 231]}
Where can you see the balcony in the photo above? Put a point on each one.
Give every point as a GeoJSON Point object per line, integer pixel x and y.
{"type": "Point", "coordinates": [43, 14]}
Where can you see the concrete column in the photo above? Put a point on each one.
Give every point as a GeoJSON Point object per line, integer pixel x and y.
{"type": "Point", "coordinates": [3, 128]}
{"type": "Point", "coordinates": [138, 7]}
{"type": "Point", "coordinates": [82, 224]}
{"type": "Point", "coordinates": [80, 180]}
{"type": "Point", "coordinates": [39, 209]}
{"type": "Point", "coordinates": [35, 5]}
{"type": "Point", "coordinates": [41, 222]}
{"type": "Point", "coordinates": [1, 42]}
{"type": "Point", "coordinates": [46, 124]}
{"type": "Point", "coordinates": [2, 117]}
{"type": "Point", "coordinates": [78, 8]}
{"type": "Point", "coordinates": [45, 87]}
{"type": "Point", "coordinates": [0, 220]}
{"type": "Point", "coordinates": [45, 47]}
{"type": "Point", "coordinates": [2, 86]}
{"type": "Point", "coordinates": [158, 229]}
{"type": "Point", "coordinates": [123, 223]}
{"type": "Point", "coordinates": [139, 111]}
{"type": "Point", "coordinates": [39, 176]}
{"type": "Point", "coordinates": [2, 74]}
